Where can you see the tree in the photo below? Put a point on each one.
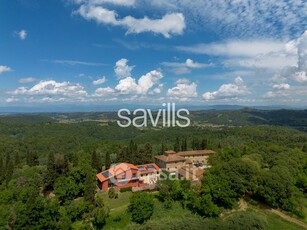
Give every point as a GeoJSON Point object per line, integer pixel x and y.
{"type": "Point", "coordinates": [2, 168]}
{"type": "Point", "coordinates": [204, 144]}
{"type": "Point", "coordinates": [108, 160]}
{"type": "Point", "coordinates": [65, 189]}
{"type": "Point", "coordinates": [89, 187]}
{"type": "Point", "coordinates": [304, 149]}
{"type": "Point", "coordinates": [100, 213]}
{"type": "Point", "coordinates": [177, 145]}
{"type": "Point", "coordinates": [184, 145]}
{"type": "Point", "coordinates": [141, 207]}
{"type": "Point", "coordinates": [163, 148]}
{"type": "Point", "coordinates": [51, 174]}
{"type": "Point", "coordinates": [205, 206]}
{"type": "Point", "coordinates": [147, 156]}
{"type": "Point", "coordinates": [112, 193]}
{"type": "Point", "coordinates": [17, 157]}
{"type": "Point", "coordinates": [9, 171]}
{"type": "Point", "coordinates": [95, 161]}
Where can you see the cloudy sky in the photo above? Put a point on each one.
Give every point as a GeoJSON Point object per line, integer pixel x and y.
{"type": "Point", "coordinates": [201, 52]}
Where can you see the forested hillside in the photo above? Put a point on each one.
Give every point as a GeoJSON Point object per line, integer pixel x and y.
{"type": "Point", "coordinates": [48, 167]}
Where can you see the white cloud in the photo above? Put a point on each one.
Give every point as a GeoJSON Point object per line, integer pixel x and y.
{"type": "Point", "coordinates": [169, 24]}
{"type": "Point", "coordinates": [145, 83]}
{"type": "Point", "coordinates": [232, 90]}
{"type": "Point", "coordinates": [4, 69]}
{"type": "Point", "coordinates": [75, 62]}
{"type": "Point", "coordinates": [183, 91]}
{"type": "Point", "coordinates": [295, 71]}
{"type": "Point", "coordinates": [300, 77]}
{"type": "Point", "coordinates": [127, 86]}
{"type": "Point", "coordinates": [22, 34]}
{"type": "Point", "coordinates": [104, 92]}
{"type": "Point", "coordinates": [99, 81]}
{"type": "Point", "coordinates": [241, 18]}
{"type": "Point", "coordinates": [98, 2]}
{"type": "Point", "coordinates": [183, 68]}
{"type": "Point", "coordinates": [122, 69]}
{"type": "Point", "coordinates": [281, 86]}
{"type": "Point", "coordinates": [11, 100]}
{"type": "Point", "coordinates": [239, 48]}
{"type": "Point", "coordinates": [27, 80]}
{"type": "Point", "coordinates": [51, 87]}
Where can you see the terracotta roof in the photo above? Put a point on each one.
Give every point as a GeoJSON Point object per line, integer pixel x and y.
{"type": "Point", "coordinates": [169, 152]}
{"type": "Point", "coordinates": [188, 161]}
{"type": "Point", "coordinates": [191, 173]}
{"type": "Point", "coordinates": [170, 158]}
{"type": "Point", "coordinates": [148, 168]}
{"type": "Point", "coordinates": [115, 170]}
{"type": "Point", "coordinates": [195, 153]}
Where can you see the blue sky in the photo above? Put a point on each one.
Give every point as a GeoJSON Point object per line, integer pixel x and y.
{"type": "Point", "coordinates": [102, 52]}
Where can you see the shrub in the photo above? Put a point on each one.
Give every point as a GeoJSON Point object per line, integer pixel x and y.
{"type": "Point", "coordinates": [127, 189]}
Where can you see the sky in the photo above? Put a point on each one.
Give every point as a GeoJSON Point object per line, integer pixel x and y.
{"type": "Point", "coordinates": [148, 52]}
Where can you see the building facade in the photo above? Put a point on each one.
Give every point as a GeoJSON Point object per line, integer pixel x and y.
{"type": "Point", "coordinates": [187, 164]}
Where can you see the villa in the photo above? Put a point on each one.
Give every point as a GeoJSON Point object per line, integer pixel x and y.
{"type": "Point", "coordinates": [125, 175]}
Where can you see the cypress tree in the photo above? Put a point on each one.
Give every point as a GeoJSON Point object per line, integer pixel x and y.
{"type": "Point", "coordinates": [89, 187]}
{"type": "Point", "coordinates": [2, 169]}
{"type": "Point", "coordinates": [204, 144]}
{"type": "Point", "coordinates": [177, 145]}
{"type": "Point", "coordinates": [9, 171]}
{"type": "Point", "coordinates": [108, 160]}
{"type": "Point", "coordinates": [147, 153]}
{"type": "Point", "coordinates": [95, 162]}
{"type": "Point", "coordinates": [51, 174]}
{"type": "Point", "coordinates": [17, 157]}
{"type": "Point", "coordinates": [163, 148]}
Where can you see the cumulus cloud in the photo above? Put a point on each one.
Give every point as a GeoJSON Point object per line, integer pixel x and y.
{"type": "Point", "coordinates": [127, 86]}
{"type": "Point", "coordinates": [281, 86]}
{"type": "Point", "coordinates": [104, 92]}
{"type": "Point", "coordinates": [143, 86]}
{"type": "Point", "coordinates": [51, 87]}
{"type": "Point", "coordinates": [297, 69]}
{"type": "Point", "coordinates": [27, 80]}
{"type": "Point", "coordinates": [122, 69]}
{"type": "Point", "coordinates": [11, 100]}
{"type": "Point", "coordinates": [4, 69]}
{"type": "Point", "coordinates": [184, 90]}
{"type": "Point", "coordinates": [99, 81]}
{"type": "Point", "coordinates": [232, 90]}
{"type": "Point", "coordinates": [182, 68]}
{"type": "Point", "coordinates": [168, 25]}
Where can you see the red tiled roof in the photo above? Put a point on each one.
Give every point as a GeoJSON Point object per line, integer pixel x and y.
{"type": "Point", "coordinates": [115, 170]}
{"type": "Point", "coordinates": [148, 168]}
{"type": "Point", "coordinates": [196, 153]}
{"type": "Point", "coordinates": [170, 158]}
{"type": "Point", "coordinates": [169, 152]}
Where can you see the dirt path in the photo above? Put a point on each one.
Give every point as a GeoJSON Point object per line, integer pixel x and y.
{"type": "Point", "coordinates": [287, 218]}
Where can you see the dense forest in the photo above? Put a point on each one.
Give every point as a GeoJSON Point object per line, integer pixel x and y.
{"type": "Point", "coordinates": [48, 165]}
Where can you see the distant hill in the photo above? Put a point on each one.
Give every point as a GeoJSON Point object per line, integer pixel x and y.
{"type": "Point", "coordinates": [241, 117]}
{"type": "Point", "coordinates": [293, 118]}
